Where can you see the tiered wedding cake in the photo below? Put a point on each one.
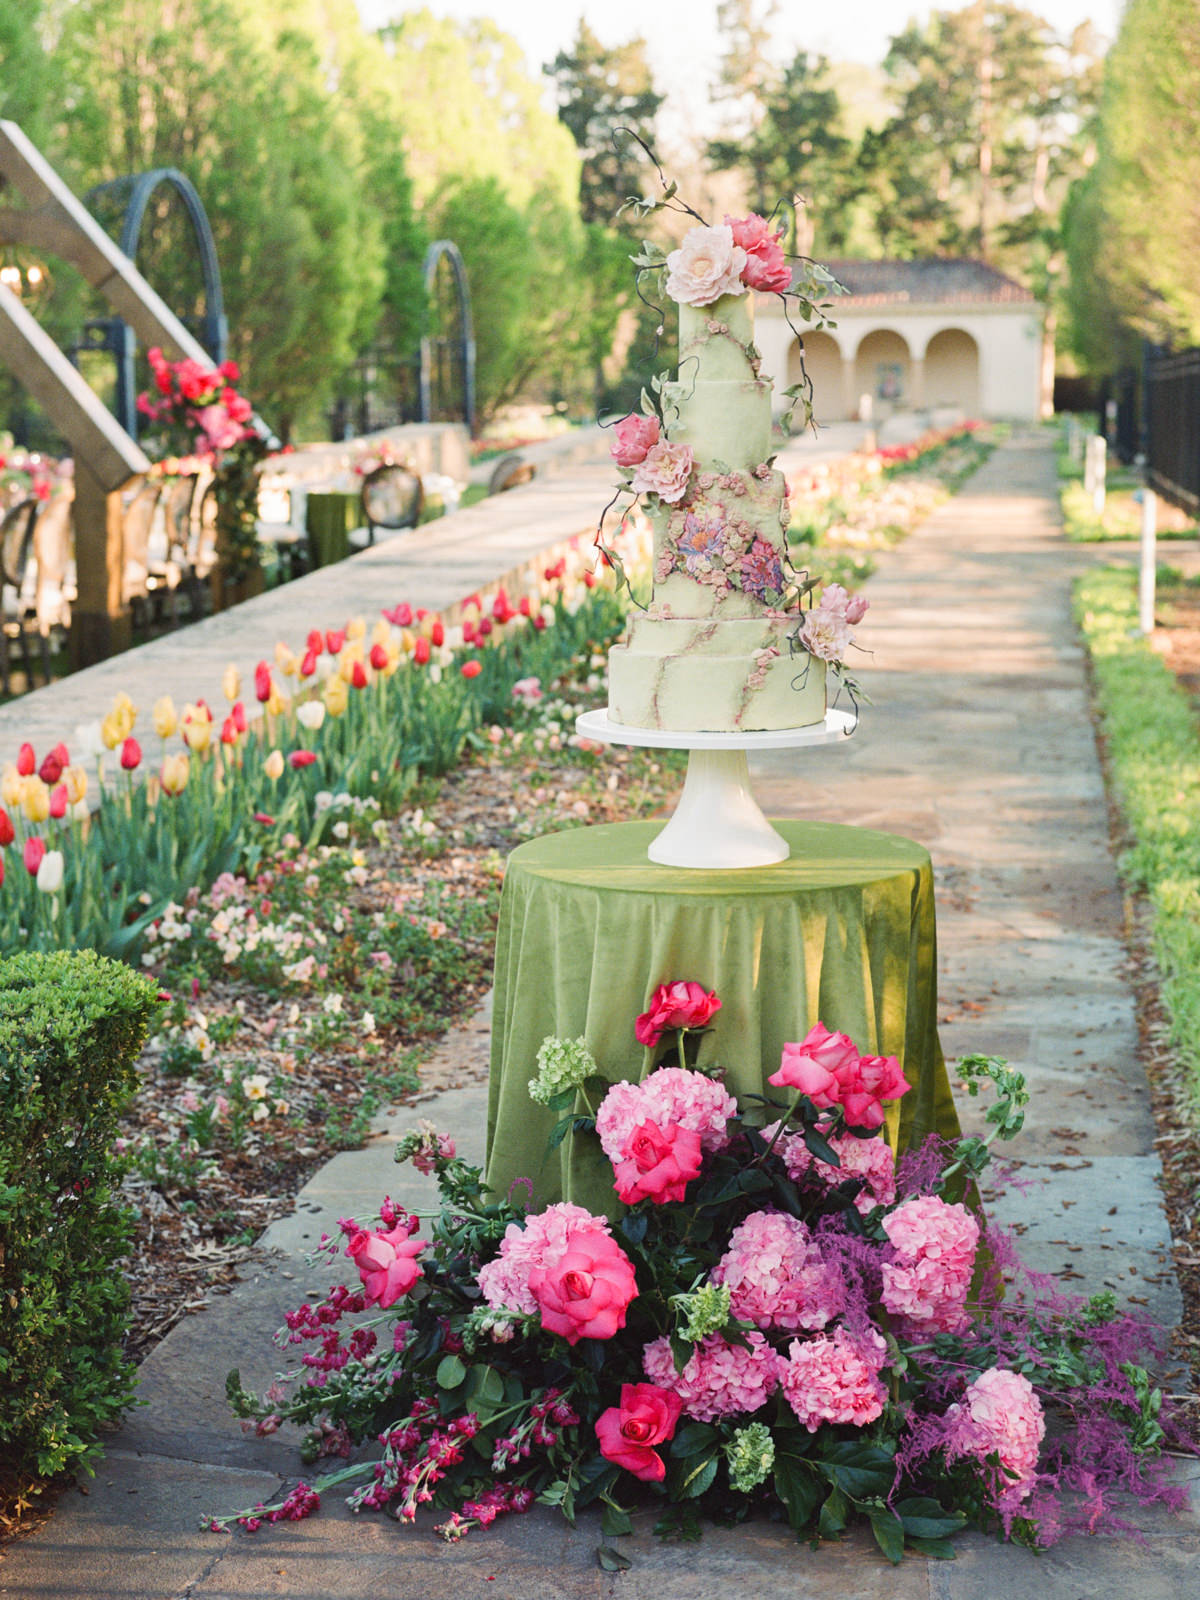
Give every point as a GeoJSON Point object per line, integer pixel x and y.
{"type": "Point", "coordinates": [725, 645]}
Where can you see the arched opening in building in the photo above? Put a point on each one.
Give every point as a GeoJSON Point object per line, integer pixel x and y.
{"type": "Point", "coordinates": [883, 370]}
{"type": "Point", "coordinates": [952, 372]}
{"type": "Point", "coordinates": [823, 363]}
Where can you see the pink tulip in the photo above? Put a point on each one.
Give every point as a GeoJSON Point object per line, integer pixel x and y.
{"type": "Point", "coordinates": [35, 849]}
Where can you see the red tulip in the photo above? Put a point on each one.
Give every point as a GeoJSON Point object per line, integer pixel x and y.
{"type": "Point", "coordinates": [485, 627]}
{"type": "Point", "coordinates": [421, 651]}
{"type": "Point", "coordinates": [470, 632]}
{"type": "Point", "coordinates": [302, 758]}
{"type": "Point", "coordinates": [229, 731]}
{"type": "Point", "coordinates": [267, 822]}
{"type": "Point", "coordinates": [539, 622]}
{"type": "Point", "coordinates": [334, 640]}
{"type": "Point", "coordinates": [315, 641]}
{"type": "Point", "coordinates": [420, 613]}
{"type": "Point", "coordinates": [474, 600]}
{"type": "Point", "coordinates": [131, 754]}
{"type": "Point", "coordinates": [35, 849]}
{"type": "Point", "coordinates": [237, 715]}
{"type": "Point", "coordinates": [50, 770]}
{"type": "Point", "coordinates": [437, 633]}
{"type": "Point", "coordinates": [59, 801]}
{"type": "Point", "coordinates": [471, 668]}
{"type": "Point", "coordinates": [7, 832]}
{"type": "Point", "coordinates": [379, 657]}
{"type": "Point", "coordinates": [309, 665]}
{"type": "Point", "coordinates": [401, 616]}
{"type": "Point", "coordinates": [525, 605]}
{"type": "Point", "coordinates": [262, 682]}
{"type": "Point", "coordinates": [1, 872]}
{"type": "Point", "coordinates": [26, 761]}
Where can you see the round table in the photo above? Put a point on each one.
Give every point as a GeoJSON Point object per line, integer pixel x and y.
{"type": "Point", "coordinates": [842, 933]}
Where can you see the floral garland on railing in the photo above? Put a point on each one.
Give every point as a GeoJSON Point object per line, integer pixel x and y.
{"type": "Point", "coordinates": [780, 1313]}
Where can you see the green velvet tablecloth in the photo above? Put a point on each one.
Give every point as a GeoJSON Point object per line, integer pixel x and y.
{"type": "Point", "coordinates": [842, 933]}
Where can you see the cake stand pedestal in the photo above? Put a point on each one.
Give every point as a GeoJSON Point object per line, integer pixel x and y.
{"type": "Point", "coordinates": [717, 822]}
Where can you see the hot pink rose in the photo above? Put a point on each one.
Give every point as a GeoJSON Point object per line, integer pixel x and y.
{"type": "Point", "coordinates": [664, 470]}
{"type": "Point", "coordinates": [386, 1263]}
{"type": "Point", "coordinates": [813, 1065]}
{"type": "Point", "coordinates": [585, 1291]}
{"type": "Point", "coordinates": [865, 1085]}
{"type": "Point", "coordinates": [634, 436]}
{"type": "Point", "coordinates": [659, 1164]}
{"type": "Point", "coordinates": [766, 265]}
{"type": "Point", "coordinates": [675, 1005]}
{"type": "Point", "coordinates": [628, 1433]}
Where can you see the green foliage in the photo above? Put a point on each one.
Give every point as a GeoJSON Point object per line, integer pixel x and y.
{"type": "Point", "coordinates": [71, 1027]}
{"type": "Point", "coordinates": [1154, 755]}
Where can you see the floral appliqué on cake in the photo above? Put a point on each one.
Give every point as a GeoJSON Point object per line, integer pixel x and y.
{"type": "Point", "coordinates": [709, 538]}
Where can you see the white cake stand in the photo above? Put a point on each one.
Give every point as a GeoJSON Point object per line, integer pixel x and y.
{"type": "Point", "coordinates": [717, 822]}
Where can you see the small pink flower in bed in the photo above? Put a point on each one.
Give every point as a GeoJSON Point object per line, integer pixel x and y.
{"type": "Point", "coordinates": [386, 1263]}
{"type": "Point", "coordinates": [675, 1005]}
{"type": "Point", "coordinates": [634, 436]}
{"type": "Point", "coordinates": [658, 1165]}
{"type": "Point", "coordinates": [665, 471]}
{"type": "Point", "coordinates": [628, 1433]}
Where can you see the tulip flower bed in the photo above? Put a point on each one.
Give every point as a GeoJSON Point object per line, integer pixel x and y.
{"type": "Point", "coordinates": [777, 1315]}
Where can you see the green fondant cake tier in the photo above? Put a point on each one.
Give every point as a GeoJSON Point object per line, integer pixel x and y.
{"type": "Point", "coordinates": [703, 689]}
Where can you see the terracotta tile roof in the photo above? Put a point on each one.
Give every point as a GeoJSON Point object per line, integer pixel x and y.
{"type": "Point", "coordinates": [933, 281]}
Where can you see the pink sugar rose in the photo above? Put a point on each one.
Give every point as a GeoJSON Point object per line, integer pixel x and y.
{"type": "Point", "coordinates": [719, 1379]}
{"type": "Point", "coordinates": [776, 1275]}
{"type": "Point", "coordinates": [659, 1164]}
{"type": "Point", "coordinates": [825, 634]}
{"type": "Point", "coordinates": [707, 265]}
{"type": "Point", "coordinates": [386, 1263]}
{"type": "Point", "coordinates": [675, 1005]}
{"type": "Point", "coordinates": [628, 1433]}
{"type": "Point", "coordinates": [664, 470]}
{"type": "Point", "coordinates": [670, 1097]}
{"type": "Point", "coordinates": [586, 1291]}
{"type": "Point", "coordinates": [927, 1282]}
{"type": "Point", "coordinates": [634, 436]}
{"type": "Point", "coordinates": [1001, 1414]}
{"type": "Point", "coordinates": [766, 266]}
{"type": "Point", "coordinates": [835, 1378]}
{"type": "Point", "coordinates": [840, 602]}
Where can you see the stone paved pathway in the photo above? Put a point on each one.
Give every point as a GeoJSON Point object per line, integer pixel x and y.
{"type": "Point", "coordinates": [979, 745]}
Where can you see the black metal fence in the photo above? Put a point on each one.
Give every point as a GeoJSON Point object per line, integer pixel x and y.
{"type": "Point", "coordinates": [1170, 425]}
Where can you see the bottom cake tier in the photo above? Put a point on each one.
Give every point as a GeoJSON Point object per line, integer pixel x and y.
{"type": "Point", "coordinates": [704, 676]}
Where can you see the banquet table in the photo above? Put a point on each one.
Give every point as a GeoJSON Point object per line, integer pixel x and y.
{"type": "Point", "coordinates": [843, 932]}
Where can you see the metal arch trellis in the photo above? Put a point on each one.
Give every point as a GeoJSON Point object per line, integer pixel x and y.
{"type": "Point", "coordinates": [114, 333]}
{"type": "Point", "coordinates": [449, 250]}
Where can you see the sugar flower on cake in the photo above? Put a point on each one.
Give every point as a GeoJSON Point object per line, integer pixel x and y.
{"type": "Point", "coordinates": [1000, 1415]}
{"type": "Point", "coordinates": [840, 602]}
{"type": "Point", "coordinates": [766, 266]}
{"type": "Point", "coordinates": [927, 1281]}
{"type": "Point", "coordinates": [672, 1097]}
{"type": "Point", "coordinates": [634, 436]}
{"type": "Point", "coordinates": [762, 571]}
{"type": "Point", "coordinates": [719, 1379]}
{"type": "Point", "coordinates": [776, 1274]}
{"type": "Point", "coordinates": [702, 540]}
{"type": "Point", "coordinates": [835, 1378]}
{"type": "Point", "coordinates": [664, 470]}
{"type": "Point", "coordinates": [707, 265]}
{"type": "Point", "coordinates": [825, 635]}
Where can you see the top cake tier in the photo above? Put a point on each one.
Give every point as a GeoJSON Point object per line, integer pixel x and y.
{"type": "Point", "coordinates": [718, 404]}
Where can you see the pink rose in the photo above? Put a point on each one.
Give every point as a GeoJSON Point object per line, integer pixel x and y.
{"type": "Point", "coordinates": [766, 265]}
{"type": "Point", "coordinates": [634, 436]}
{"type": "Point", "coordinates": [628, 1433]}
{"type": "Point", "coordinates": [386, 1263]}
{"type": "Point", "coordinates": [863, 1086]}
{"type": "Point", "coordinates": [813, 1065]}
{"type": "Point", "coordinates": [659, 1164]}
{"type": "Point", "coordinates": [675, 1005]}
{"type": "Point", "coordinates": [664, 471]}
{"type": "Point", "coordinates": [584, 1292]}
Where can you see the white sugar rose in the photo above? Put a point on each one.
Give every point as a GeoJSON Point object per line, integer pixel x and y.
{"type": "Point", "coordinates": [707, 265]}
{"type": "Point", "coordinates": [664, 471]}
{"type": "Point", "coordinates": [826, 635]}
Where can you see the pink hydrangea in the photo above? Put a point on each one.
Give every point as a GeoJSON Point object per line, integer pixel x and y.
{"type": "Point", "coordinates": [541, 1242]}
{"type": "Point", "coordinates": [720, 1379]}
{"type": "Point", "coordinates": [664, 470]}
{"type": "Point", "coordinates": [927, 1282]}
{"type": "Point", "coordinates": [835, 1378]}
{"type": "Point", "coordinates": [871, 1159]}
{"type": "Point", "coordinates": [1000, 1414]}
{"type": "Point", "coordinates": [670, 1097]}
{"type": "Point", "coordinates": [776, 1275]}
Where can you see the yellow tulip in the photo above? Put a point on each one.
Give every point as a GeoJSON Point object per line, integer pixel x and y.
{"type": "Point", "coordinates": [408, 641]}
{"type": "Point", "coordinates": [337, 696]}
{"type": "Point", "coordinates": [112, 731]}
{"type": "Point", "coordinates": [175, 771]}
{"type": "Point", "coordinates": [166, 718]}
{"type": "Point", "coordinates": [278, 702]}
{"type": "Point", "coordinates": [356, 628]}
{"type": "Point", "coordinates": [76, 780]}
{"type": "Point", "coordinates": [381, 633]}
{"type": "Point", "coordinates": [346, 661]}
{"type": "Point", "coordinates": [125, 713]}
{"type": "Point", "coordinates": [197, 727]}
{"type": "Point", "coordinates": [12, 786]}
{"type": "Point", "coordinates": [394, 657]}
{"type": "Point", "coordinates": [231, 683]}
{"type": "Point", "coordinates": [35, 799]}
{"type": "Point", "coordinates": [273, 765]}
{"type": "Point", "coordinates": [286, 660]}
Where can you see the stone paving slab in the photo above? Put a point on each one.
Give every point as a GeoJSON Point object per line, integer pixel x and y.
{"type": "Point", "coordinates": [1009, 800]}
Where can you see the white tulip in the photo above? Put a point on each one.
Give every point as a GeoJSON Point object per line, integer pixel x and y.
{"type": "Point", "coordinates": [311, 714]}
{"type": "Point", "coordinates": [50, 872]}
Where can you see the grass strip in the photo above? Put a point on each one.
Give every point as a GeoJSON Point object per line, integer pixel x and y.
{"type": "Point", "coordinates": [1154, 760]}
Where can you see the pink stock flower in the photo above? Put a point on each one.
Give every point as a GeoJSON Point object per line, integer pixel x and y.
{"type": "Point", "coordinates": [634, 436]}
{"type": "Point", "coordinates": [664, 470]}
{"type": "Point", "coordinates": [675, 1005]}
{"type": "Point", "coordinates": [927, 1282]}
{"type": "Point", "coordinates": [646, 1417]}
{"type": "Point", "coordinates": [658, 1165]}
{"type": "Point", "coordinates": [840, 602]}
{"type": "Point", "coordinates": [766, 267]}
{"type": "Point", "coordinates": [719, 1379]}
{"type": "Point", "coordinates": [776, 1276]}
{"type": "Point", "coordinates": [835, 1378]}
{"type": "Point", "coordinates": [670, 1097]}
{"type": "Point", "coordinates": [386, 1263]}
{"type": "Point", "coordinates": [1000, 1414]}
{"type": "Point", "coordinates": [586, 1292]}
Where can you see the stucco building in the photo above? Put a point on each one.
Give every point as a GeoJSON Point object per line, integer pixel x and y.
{"type": "Point", "coordinates": [927, 336]}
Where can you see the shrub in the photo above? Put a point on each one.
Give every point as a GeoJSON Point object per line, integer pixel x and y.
{"type": "Point", "coordinates": [71, 1027]}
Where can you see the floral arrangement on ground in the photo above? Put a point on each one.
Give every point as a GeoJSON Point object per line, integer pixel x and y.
{"type": "Point", "coordinates": [778, 1314]}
